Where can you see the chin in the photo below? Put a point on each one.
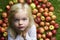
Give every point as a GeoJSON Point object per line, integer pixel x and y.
{"type": "Point", "coordinates": [21, 29]}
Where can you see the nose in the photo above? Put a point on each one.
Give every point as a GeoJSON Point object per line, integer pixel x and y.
{"type": "Point", "coordinates": [20, 22]}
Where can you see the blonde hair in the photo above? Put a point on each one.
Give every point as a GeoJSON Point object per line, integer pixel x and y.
{"type": "Point", "coordinates": [14, 9]}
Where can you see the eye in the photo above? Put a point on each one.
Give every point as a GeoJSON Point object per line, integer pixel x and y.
{"type": "Point", "coordinates": [24, 19]}
{"type": "Point", "coordinates": [16, 19]}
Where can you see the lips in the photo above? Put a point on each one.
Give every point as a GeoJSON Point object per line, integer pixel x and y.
{"type": "Point", "coordinates": [20, 27]}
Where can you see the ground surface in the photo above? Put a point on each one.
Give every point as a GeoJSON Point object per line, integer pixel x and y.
{"type": "Point", "coordinates": [55, 3]}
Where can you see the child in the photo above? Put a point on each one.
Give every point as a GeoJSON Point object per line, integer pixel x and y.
{"type": "Point", "coordinates": [21, 23]}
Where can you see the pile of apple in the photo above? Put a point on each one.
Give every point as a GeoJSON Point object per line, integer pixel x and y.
{"type": "Point", "coordinates": [4, 21]}
{"type": "Point", "coordinates": [43, 14]}
{"type": "Point", "coordinates": [3, 26]}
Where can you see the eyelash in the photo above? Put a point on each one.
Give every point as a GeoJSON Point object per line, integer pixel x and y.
{"type": "Point", "coordinates": [22, 19]}
{"type": "Point", "coordinates": [16, 19]}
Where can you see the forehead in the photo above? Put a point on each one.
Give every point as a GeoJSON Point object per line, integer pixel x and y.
{"type": "Point", "coordinates": [21, 13]}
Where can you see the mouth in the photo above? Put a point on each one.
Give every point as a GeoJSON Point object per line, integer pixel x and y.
{"type": "Point", "coordinates": [20, 27]}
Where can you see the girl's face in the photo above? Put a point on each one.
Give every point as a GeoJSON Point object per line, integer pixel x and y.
{"type": "Point", "coordinates": [20, 20]}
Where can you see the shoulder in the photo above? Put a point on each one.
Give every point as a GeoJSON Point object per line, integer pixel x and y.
{"type": "Point", "coordinates": [33, 28]}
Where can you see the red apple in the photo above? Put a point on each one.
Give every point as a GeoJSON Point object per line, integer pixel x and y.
{"type": "Point", "coordinates": [5, 34]}
{"type": "Point", "coordinates": [0, 29]}
{"type": "Point", "coordinates": [52, 22]}
{"type": "Point", "coordinates": [46, 28]}
{"type": "Point", "coordinates": [5, 20]}
{"type": "Point", "coordinates": [50, 13]}
{"type": "Point", "coordinates": [41, 10]}
{"type": "Point", "coordinates": [3, 29]}
{"type": "Point", "coordinates": [53, 38]}
{"type": "Point", "coordinates": [2, 38]}
{"type": "Point", "coordinates": [46, 10]}
{"type": "Point", "coordinates": [37, 20]}
{"type": "Point", "coordinates": [4, 15]}
{"type": "Point", "coordinates": [40, 30]}
{"type": "Point", "coordinates": [4, 25]}
{"type": "Point", "coordinates": [34, 16]}
{"type": "Point", "coordinates": [38, 6]}
{"type": "Point", "coordinates": [51, 8]}
{"type": "Point", "coordinates": [47, 39]}
{"type": "Point", "coordinates": [56, 25]}
{"type": "Point", "coordinates": [43, 5]}
{"type": "Point", "coordinates": [43, 35]}
{"type": "Point", "coordinates": [54, 32]}
{"type": "Point", "coordinates": [47, 23]}
{"type": "Point", "coordinates": [38, 14]}
{"type": "Point", "coordinates": [38, 36]}
{"type": "Point", "coordinates": [53, 17]}
{"type": "Point", "coordinates": [29, 1]}
{"type": "Point", "coordinates": [49, 34]}
{"type": "Point", "coordinates": [45, 14]}
{"type": "Point", "coordinates": [42, 23]}
{"type": "Point", "coordinates": [36, 3]}
{"type": "Point", "coordinates": [48, 18]}
{"type": "Point", "coordinates": [48, 4]}
{"type": "Point", "coordinates": [8, 7]}
{"type": "Point", "coordinates": [45, 1]}
{"type": "Point", "coordinates": [1, 22]}
{"type": "Point", "coordinates": [34, 11]}
{"type": "Point", "coordinates": [42, 18]}
{"type": "Point", "coordinates": [41, 39]}
{"type": "Point", "coordinates": [39, 0]}
{"type": "Point", "coordinates": [21, 1]}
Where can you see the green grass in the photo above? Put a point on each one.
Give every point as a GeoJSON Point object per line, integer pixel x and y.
{"type": "Point", "coordinates": [55, 3]}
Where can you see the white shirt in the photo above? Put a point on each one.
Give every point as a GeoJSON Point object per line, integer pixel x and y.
{"type": "Point", "coordinates": [30, 35]}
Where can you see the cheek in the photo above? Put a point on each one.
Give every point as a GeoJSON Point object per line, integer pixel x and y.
{"type": "Point", "coordinates": [26, 23]}
{"type": "Point", "coordinates": [15, 24]}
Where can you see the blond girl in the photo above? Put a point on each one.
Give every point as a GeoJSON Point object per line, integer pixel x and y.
{"type": "Point", "coordinates": [21, 23]}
